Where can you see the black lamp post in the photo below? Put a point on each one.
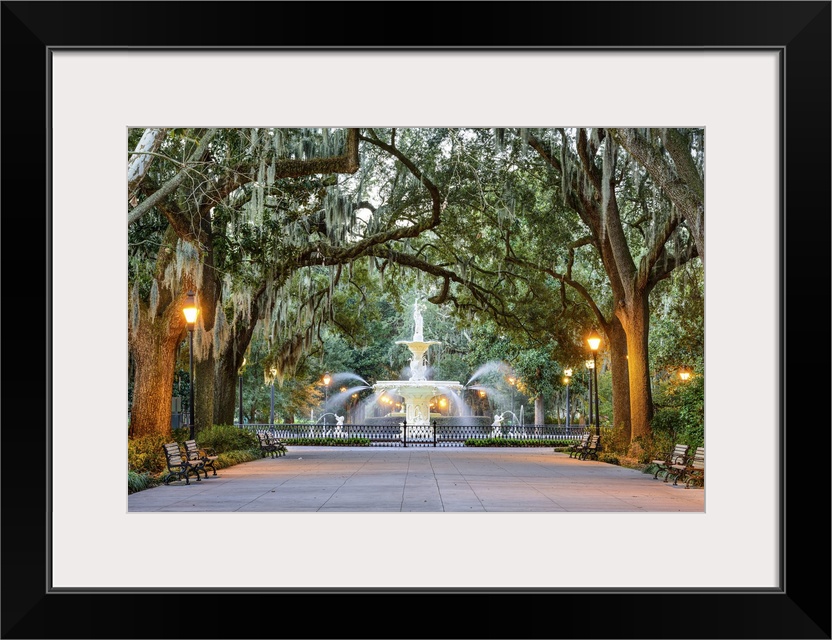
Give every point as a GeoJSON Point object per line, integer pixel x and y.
{"type": "Point", "coordinates": [240, 381]}
{"type": "Point", "coordinates": [512, 380]}
{"type": "Point", "coordinates": [590, 365]}
{"type": "Point", "coordinates": [190, 310]}
{"type": "Point", "coordinates": [567, 376]}
{"type": "Point", "coordinates": [594, 341]}
{"type": "Point", "coordinates": [273, 373]}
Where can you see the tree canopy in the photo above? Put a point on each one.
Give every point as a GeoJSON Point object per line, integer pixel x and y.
{"type": "Point", "coordinates": [305, 246]}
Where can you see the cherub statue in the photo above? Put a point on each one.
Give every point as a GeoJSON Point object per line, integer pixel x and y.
{"type": "Point", "coordinates": [339, 420]}
{"type": "Point", "coordinates": [418, 331]}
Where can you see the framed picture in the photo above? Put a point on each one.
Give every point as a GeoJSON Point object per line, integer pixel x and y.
{"type": "Point", "coordinates": [77, 75]}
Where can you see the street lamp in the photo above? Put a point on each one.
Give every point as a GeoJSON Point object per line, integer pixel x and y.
{"type": "Point", "coordinates": [684, 374]}
{"type": "Point", "coordinates": [273, 373]}
{"type": "Point", "coordinates": [327, 380]}
{"type": "Point", "coordinates": [190, 310]}
{"type": "Point", "coordinates": [240, 379]}
{"type": "Point", "coordinates": [590, 365]}
{"type": "Point", "coordinates": [567, 375]}
{"type": "Point", "coordinates": [594, 341]}
{"type": "Point", "coordinates": [511, 381]}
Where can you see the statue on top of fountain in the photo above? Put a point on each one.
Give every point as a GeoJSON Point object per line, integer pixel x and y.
{"type": "Point", "coordinates": [418, 331]}
{"type": "Point", "coordinates": [418, 367]}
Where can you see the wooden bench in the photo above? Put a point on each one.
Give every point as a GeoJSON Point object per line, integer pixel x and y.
{"type": "Point", "coordinates": [679, 456]}
{"type": "Point", "coordinates": [693, 470]}
{"type": "Point", "coordinates": [179, 466]}
{"type": "Point", "coordinates": [591, 449]}
{"type": "Point", "coordinates": [271, 445]}
{"type": "Point", "coordinates": [206, 455]}
{"type": "Point", "coordinates": [577, 447]}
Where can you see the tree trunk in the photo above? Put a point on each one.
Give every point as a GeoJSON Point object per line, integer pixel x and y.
{"type": "Point", "coordinates": [539, 411]}
{"type": "Point", "coordinates": [231, 359]}
{"type": "Point", "coordinates": [635, 318]}
{"type": "Point", "coordinates": [619, 369]}
{"type": "Point", "coordinates": [154, 357]}
{"type": "Point", "coordinates": [204, 392]}
{"type": "Point", "coordinates": [153, 342]}
{"type": "Point", "coordinates": [204, 353]}
{"type": "Point", "coordinates": [225, 391]}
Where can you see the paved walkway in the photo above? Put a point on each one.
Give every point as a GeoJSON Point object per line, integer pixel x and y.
{"type": "Point", "coordinates": [375, 479]}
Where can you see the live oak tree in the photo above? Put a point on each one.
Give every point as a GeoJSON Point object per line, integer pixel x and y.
{"type": "Point", "coordinates": [639, 241]}
{"type": "Point", "coordinates": [193, 173]}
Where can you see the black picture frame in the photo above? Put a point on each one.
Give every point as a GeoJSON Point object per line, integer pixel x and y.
{"type": "Point", "coordinates": [800, 609]}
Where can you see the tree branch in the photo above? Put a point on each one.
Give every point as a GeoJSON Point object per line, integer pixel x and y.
{"type": "Point", "coordinates": [171, 185]}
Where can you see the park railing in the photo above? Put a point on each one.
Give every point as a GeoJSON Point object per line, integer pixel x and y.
{"type": "Point", "coordinates": [429, 435]}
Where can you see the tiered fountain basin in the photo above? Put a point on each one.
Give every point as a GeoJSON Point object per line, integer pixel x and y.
{"type": "Point", "coordinates": [416, 397]}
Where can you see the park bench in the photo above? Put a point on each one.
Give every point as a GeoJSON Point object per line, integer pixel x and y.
{"type": "Point", "coordinates": [195, 453]}
{"type": "Point", "coordinates": [591, 449]}
{"type": "Point", "coordinates": [179, 466]}
{"type": "Point", "coordinates": [577, 447]}
{"type": "Point", "coordinates": [693, 470]}
{"type": "Point", "coordinates": [678, 456]}
{"type": "Point", "coordinates": [271, 445]}
{"type": "Point", "coordinates": [280, 446]}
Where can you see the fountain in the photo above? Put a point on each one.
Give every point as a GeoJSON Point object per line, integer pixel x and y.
{"type": "Point", "coordinates": [417, 391]}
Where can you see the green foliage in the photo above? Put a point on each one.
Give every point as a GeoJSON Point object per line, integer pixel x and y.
{"type": "Point", "coordinates": [677, 319]}
{"type": "Point", "coordinates": [513, 442]}
{"type": "Point", "coordinates": [328, 442]}
{"type": "Point", "coordinates": [680, 416]}
{"type": "Point", "coordinates": [180, 434]}
{"type": "Point", "coordinates": [614, 440]}
{"type": "Point", "coordinates": [223, 438]}
{"type": "Point", "coordinates": [692, 411]}
{"type": "Point", "coordinates": [230, 458]}
{"type": "Point", "coordinates": [145, 454]}
{"type": "Point", "coordinates": [140, 481]}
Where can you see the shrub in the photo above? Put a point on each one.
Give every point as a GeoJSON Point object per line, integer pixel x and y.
{"type": "Point", "coordinates": [145, 455]}
{"type": "Point", "coordinates": [692, 412]}
{"type": "Point", "coordinates": [230, 458]}
{"type": "Point", "coordinates": [615, 439]}
{"type": "Point", "coordinates": [681, 419]}
{"type": "Point", "coordinates": [327, 442]}
{"type": "Point", "coordinates": [666, 421]}
{"type": "Point", "coordinates": [223, 437]}
{"type": "Point", "coordinates": [513, 442]}
{"type": "Point", "coordinates": [139, 481]}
